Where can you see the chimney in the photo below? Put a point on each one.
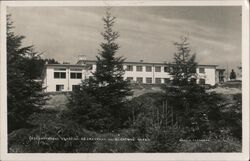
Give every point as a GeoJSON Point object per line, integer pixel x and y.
{"type": "Point", "coordinates": [81, 59]}
{"type": "Point", "coordinates": [141, 61]}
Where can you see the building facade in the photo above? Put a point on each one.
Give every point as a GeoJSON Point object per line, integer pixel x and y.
{"type": "Point", "coordinates": [67, 77]}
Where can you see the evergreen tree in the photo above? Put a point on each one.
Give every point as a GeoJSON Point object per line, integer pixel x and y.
{"type": "Point", "coordinates": [184, 97]}
{"type": "Point", "coordinates": [106, 89]}
{"type": "Point", "coordinates": [184, 66]}
{"type": "Point", "coordinates": [109, 68]}
{"type": "Point", "coordinates": [232, 75]}
{"type": "Point", "coordinates": [24, 94]}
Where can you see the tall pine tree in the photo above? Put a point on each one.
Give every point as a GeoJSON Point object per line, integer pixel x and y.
{"type": "Point", "coordinates": [25, 96]}
{"type": "Point", "coordinates": [106, 88]}
{"type": "Point", "coordinates": [184, 65]}
{"type": "Point", "coordinates": [185, 98]}
{"type": "Point", "coordinates": [109, 72]}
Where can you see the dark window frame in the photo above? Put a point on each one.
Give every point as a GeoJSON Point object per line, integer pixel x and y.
{"type": "Point", "coordinates": [129, 79]}
{"type": "Point", "coordinates": [59, 75]}
{"type": "Point", "coordinates": [201, 70]}
{"type": "Point", "coordinates": [156, 82]}
{"type": "Point", "coordinates": [75, 75]}
{"type": "Point", "coordinates": [129, 68]}
{"type": "Point", "coordinates": [58, 89]}
{"type": "Point", "coordinates": [149, 78]}
{"type": "Point", "coordinates": [138, 79]}
{"type": "Point", "coordinates": [157, 68]}
{"type": "Point", "coordinates": [148, 68]}
{"type": "Point", "coordinates": [139, 68]}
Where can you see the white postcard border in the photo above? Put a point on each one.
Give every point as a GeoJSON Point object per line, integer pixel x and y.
{"type": "Point", "coordinates": [129, 156]}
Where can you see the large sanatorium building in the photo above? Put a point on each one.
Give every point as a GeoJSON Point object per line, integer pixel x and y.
{"type": "Point", "coordinates": [67, 77]}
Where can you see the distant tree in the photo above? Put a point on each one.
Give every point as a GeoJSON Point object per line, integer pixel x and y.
{"type": "Point", "coordinates": [232, 75]}
{"type": "Point", "coordinates": [25, 96]}
{"type": "Point", "coordinates": [107, 85]}
{"type": "Point", "coordinates": [35, 64]}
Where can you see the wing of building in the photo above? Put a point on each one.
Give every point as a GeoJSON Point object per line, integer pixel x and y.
{"type": "Point", "coordinates": [67, 77]}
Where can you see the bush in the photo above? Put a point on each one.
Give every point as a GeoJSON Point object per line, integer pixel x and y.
{"type": "Point", "coordinates": [52, 134]}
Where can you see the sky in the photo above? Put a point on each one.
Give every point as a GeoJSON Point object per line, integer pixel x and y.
{"type": "Point", "coordinates": [146, 33]}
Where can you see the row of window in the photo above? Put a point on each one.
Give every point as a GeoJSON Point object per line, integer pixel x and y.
{"type": "Point", "coordinates": [148, 68]}
{"type": "Point", "coordinates": [62, 75]}
{"type": "Point", "coordinates": [157, 69]}
{"type": "Point", "coordinates": [60, 87]}
{"type": "Point", "coordinates": [149, 80]}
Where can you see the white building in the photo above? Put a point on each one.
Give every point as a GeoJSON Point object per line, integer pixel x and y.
{"type": "Point", "coordinates": [67, 77]}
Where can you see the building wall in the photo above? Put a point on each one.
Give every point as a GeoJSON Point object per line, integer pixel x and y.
{"type": "Point", "coordinates": [209, 74]}
{"type": "Point", "coordinates": [50, 82]}
{"type": "Point", "coordinates": [144, 74]}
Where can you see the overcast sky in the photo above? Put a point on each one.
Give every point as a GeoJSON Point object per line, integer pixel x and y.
{"type": "Point", "coordinates": [146, 33]}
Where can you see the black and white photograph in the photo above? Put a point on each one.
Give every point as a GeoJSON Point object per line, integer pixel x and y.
{"type": "Point", "coordinates": [109, 78]}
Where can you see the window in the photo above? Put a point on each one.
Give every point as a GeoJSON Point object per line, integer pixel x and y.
{"type": "Point", "coordinates": [148, 68]}
{"type": "Point", "coordinates": [166, 69]}
{"type": "Point", "coordinates": [60, 75]}
{"type": "Point", "coordinates": [75, 87]}
{"type": "Point", "coordinates": [149, 80]}
{"type": "Point", "coordinates": [59, 87]}
{"type": "Point", "coordinates": [129, 67]}
{"type": "Point", "coordinates": [158, 80]}
{"type": "Point", "coordinates": [201, 70]}
{"type": "Point", "coordinates": [76, 75]}
{"type": "Point", "coordinates": [130, 79]}
{"type": "Point", "coordinates": [157, 69]}
{"type": "Point", "coordinates": [202, 81]}
{"type": "Point", "coordinates": [166, 80]}
{"type": "Point", "coordinates": [138, 68]}
{"type": "Point", "coordinates": [139, 80]}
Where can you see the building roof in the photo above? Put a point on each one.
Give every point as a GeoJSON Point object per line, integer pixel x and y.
{"type": "Point", "coordinates": [142, 63]}
{"type": "Point", "coordinates": [66, 65]}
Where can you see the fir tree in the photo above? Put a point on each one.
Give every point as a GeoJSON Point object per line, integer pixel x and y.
{"type": "Point", "coordinates": [24, 94]}
{"type": "Point", "coordinates": [186, 100]}
{"type": "Point", "coordinates": [109, 72]}
{"type": "Point", "coordinates": [184, 65]}
{"type": "Point", "coordinates": [232, 75]}
{"type": "Point", "coordinates": [107, 88]}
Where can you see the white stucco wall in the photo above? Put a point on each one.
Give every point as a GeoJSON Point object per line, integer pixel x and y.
{"type": "Point", "coordinates": [144, 74]}
{"type": "Point", "coordinates": [209, 74]}
{"type": "Point", "coordinates": [50, 82]}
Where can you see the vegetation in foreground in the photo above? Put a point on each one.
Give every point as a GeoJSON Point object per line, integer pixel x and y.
{"type": "Point", "coordinates": [55, 130]}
